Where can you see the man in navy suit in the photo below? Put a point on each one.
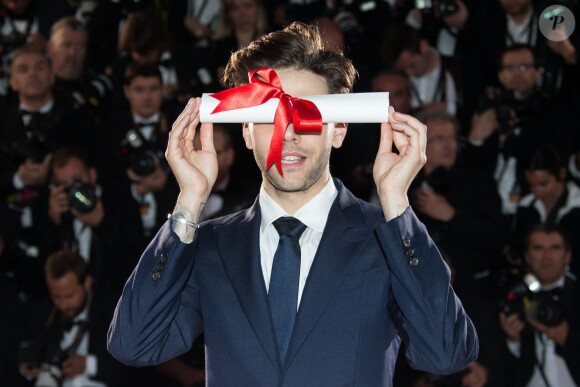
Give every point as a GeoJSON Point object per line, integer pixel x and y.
{"type": "Point", "coordinates": [368, 278]}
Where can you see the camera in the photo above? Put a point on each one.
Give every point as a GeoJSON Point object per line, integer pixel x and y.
{"type": "Point", "coordinates": [526, 299]}
{"type": "Point", "coordinates": [34, 148]}
{"type": "Point", "coordinates": [139, 154]}
{"type": "Point", "coordinates": [12, 41]}
{"type": "Point", "coordinates": [509, 111]}
{"type": "Point", "coordinates": [82, 196]}
{"type": "Point", "coordinates": [40, 354]}
{"type": "Point", "coordinates": [437, 8]}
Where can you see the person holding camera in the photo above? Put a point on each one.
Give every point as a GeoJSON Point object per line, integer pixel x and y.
{"type": "Point", "coordinates": [65, 336]}
{"type": "Point", "coordinates": [136, 139]}
{"type": "Point", "coordinates": [67, 49]}
{"type": "Point", "coordinates": [102, 225]}
{"type": "Point", "coordinates": [512, 122]}
{"type": "Point", "coordinates": [543, 332]}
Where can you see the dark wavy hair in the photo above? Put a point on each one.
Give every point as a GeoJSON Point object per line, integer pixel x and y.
{"type": "Point", "coordinates": [296, 47]}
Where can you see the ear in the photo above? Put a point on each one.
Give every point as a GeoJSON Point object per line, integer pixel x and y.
{"type": "Point", "coordinates": [246, 128]}
{"type": "Point", "coordinates": [93, 175]}
{"type": "Point", "coordinates": [562, 174]}
{"type": "Point", "coordinates": [88, 282]}
{"type": "Point", "coordinates": [339, 134]}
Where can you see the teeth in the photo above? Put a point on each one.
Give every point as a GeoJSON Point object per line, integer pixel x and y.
{"type": "Point", "coordinates": [291, 159]}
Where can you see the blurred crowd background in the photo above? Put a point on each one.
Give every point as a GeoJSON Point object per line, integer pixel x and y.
{"type": "Point", "coordinates": [89, 90]}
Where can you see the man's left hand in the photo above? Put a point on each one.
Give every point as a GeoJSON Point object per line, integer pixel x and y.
{"type": "Point", "coordinates": [394, 172]}
{"type": "Point", "coordinates": [74, 366]}
{"type": "Point", "coordinates": [557, 334]}
{"type": "Point", "coordinates": [433, 205]}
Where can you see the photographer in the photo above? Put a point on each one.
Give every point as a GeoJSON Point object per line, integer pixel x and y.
{"type": "Point", "coordinates": [67, 334]}
{"type": "Point", "coordinates": [67, 49]}
{"type": "Point", "coordinates": [512, 122]}
{"type": "Point", "coordinates": [136, 139]}
{"type": "Point", "coordinates": [101, 225]}
{"type": "Point", "coordinates": [544, 348]}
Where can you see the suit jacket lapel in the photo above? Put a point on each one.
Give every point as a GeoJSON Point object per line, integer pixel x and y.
{"type": "Point", "coordinates": [332, 262]}
{"type": "Point", "coordinates": [244, 270]}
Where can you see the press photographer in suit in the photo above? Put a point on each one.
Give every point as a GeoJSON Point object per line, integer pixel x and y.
{"type": "Point", "coordinates": [67, 334]}
{"type": "Point", "coordinates": [543, 335]}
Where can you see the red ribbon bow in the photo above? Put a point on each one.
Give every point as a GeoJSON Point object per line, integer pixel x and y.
{"type": "Point", "coordinates": [302, 113]}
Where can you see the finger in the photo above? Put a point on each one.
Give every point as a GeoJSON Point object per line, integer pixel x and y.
{"type": "Point", "coordinates": [415, 124]}
{"type": "Point", "coordinates": [206, 137]}
{"type": "Point", "coordinates": [386, 140]}
{"type": "Point", "coordinates": [189, 134]}
{"type": "Point", "coordinates": [179, 127]}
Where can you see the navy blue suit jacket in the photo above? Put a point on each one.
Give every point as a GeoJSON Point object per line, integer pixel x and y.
{"type": "Point", "coordinates": [361, 297]}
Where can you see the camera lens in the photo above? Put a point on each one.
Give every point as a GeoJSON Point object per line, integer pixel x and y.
{"type": "Point", "coordinates": [82, 197]}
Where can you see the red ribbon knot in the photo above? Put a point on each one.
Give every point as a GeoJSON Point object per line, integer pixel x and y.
{"type": "Point", "coordinates": [302, 113]}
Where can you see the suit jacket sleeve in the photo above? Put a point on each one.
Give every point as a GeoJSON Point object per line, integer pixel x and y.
{"type": "Point", "coordinates": [439, 335]}
{"type": "Point", "coordinates": [158, 315]}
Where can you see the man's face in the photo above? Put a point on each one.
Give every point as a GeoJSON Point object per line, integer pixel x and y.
{"type": "Point", "coordinates": [441, 148]}
{"type": "Point", "coordinates": [243, 14]}
{"type": "Point", "coordinates": [515, 7]}
{"type": "Point", "coordinates": [518, 72]}
{"type": "Point", "coordinates": [68, 294]}
{"type": "Point", "coordinates": [545, 185]}
{"type": "Point", "coordinates": [17, 7]}
{"type": "Point", "coordinates": [414, 64]}
{"type": "Point", "coordinates": [304, 156]}
{"type": "Point", "coordinates": [547, 256]}
{"type": "Point", "coordinates": [72, 171]}
{"type": "Point", "coordinates": [31, 76]}
{"type": "Point", "coordinates": [67, 49]}
{"type": "Point", "coordinates": [399, 93]}
{"type": "Point", "coordinates": [145, 95]}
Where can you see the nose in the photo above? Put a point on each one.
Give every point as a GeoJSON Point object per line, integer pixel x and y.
{"type": "Point", "coordinates": [290, 135]}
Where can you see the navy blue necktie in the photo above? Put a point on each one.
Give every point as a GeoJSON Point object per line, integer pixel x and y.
{"type": "Point", "coordinates": [283, 290]}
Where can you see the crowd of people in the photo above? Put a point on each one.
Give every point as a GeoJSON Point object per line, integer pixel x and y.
{"type": "Point", "coordinates": [90, 90]}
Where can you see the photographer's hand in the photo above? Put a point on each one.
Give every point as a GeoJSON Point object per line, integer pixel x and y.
{"type": "Point", "coordinates": [151, 183]}
{"type": "Point", "coordinates": [93, 218]}
{"type": "Point", "coordinates": [459, 18]}
{"type": "Point", "coordinates": [74, 366]}
{"type": "Point", "coordinates": [512, 326]}
{"type": "Point", "coordinates": [57, 204]}
{"type": "Point", "coordinates": [433, 205]}
{"type": "Point", "coordinates": [477, 376]}
{"type": "Point", "coordinates": [557, 334]}
{"type": "Point", "coordinates": [28, 372]}
{"type": "Point", "coordinates": [483, 125]}
{"type": "Point", "coordinates": [34, 174]}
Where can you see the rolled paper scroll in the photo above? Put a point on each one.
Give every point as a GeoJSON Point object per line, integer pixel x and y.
{"type": "Point", "coordinates": [343, 108]}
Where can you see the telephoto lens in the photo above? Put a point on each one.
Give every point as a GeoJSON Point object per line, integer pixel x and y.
{"type": "Point", "coordinates": [82, 197]}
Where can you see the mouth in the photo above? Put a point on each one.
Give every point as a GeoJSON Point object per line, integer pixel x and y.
{"type": "Point", "coordinates": [292, 160]}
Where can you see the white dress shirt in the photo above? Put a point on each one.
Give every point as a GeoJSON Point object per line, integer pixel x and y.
{"type": "Point", "coordinates": [313, 214]}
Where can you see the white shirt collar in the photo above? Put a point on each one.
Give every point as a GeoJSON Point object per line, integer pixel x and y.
{"type": "Point", "coordinates": [313, 213]}
{"type": "Point", "coordinates": [44, 109]}
{"type": "Point", "coordinates": [151, 120]}
{"type": "Point", "coordinates": [555, 285]}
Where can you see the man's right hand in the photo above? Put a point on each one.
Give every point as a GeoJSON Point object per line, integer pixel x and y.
{"type": "Point", "coordinates": [195, 169]}
{"type": "Point", "coordinates": [512, 326]}
{"type": "Point", "coordinates": [34, 174]}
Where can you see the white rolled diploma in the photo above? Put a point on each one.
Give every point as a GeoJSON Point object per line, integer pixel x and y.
{"type": "Point", "coordinates": [344, 108]}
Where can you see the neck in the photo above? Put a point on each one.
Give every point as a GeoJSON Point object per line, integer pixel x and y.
{"type": "Point", "coordinates": [35, 103]}
{"type": "Point", "coordinates": [520, 17]}
{"type": "Point", "coordinates": [432, 60]}
{"type": "Point", "coordinates": [244, 38]}
{"type": "Point", "coordinates": [552, 203]}
{"type": "Point", "coordinates": [292, 201]}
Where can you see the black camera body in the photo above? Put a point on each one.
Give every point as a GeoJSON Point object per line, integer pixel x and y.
{"type": "Point", "coordinates": [48, 359]}
{"type": "Point", "coordinates": [82, 196]}
{"type": "Point", "coordinates": [526, 300]}
{"type": "Point", "coordinates": [139, 154]}
{"type": "Point", "coordinates": [437, 8]}
{"type": "Point", "coordinates": [509, 111]}
{"type": "Point", "coordinates": [34, 148]}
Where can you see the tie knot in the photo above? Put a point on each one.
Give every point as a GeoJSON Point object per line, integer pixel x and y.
{"type": "Point", "coordinates": [288, 225]}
